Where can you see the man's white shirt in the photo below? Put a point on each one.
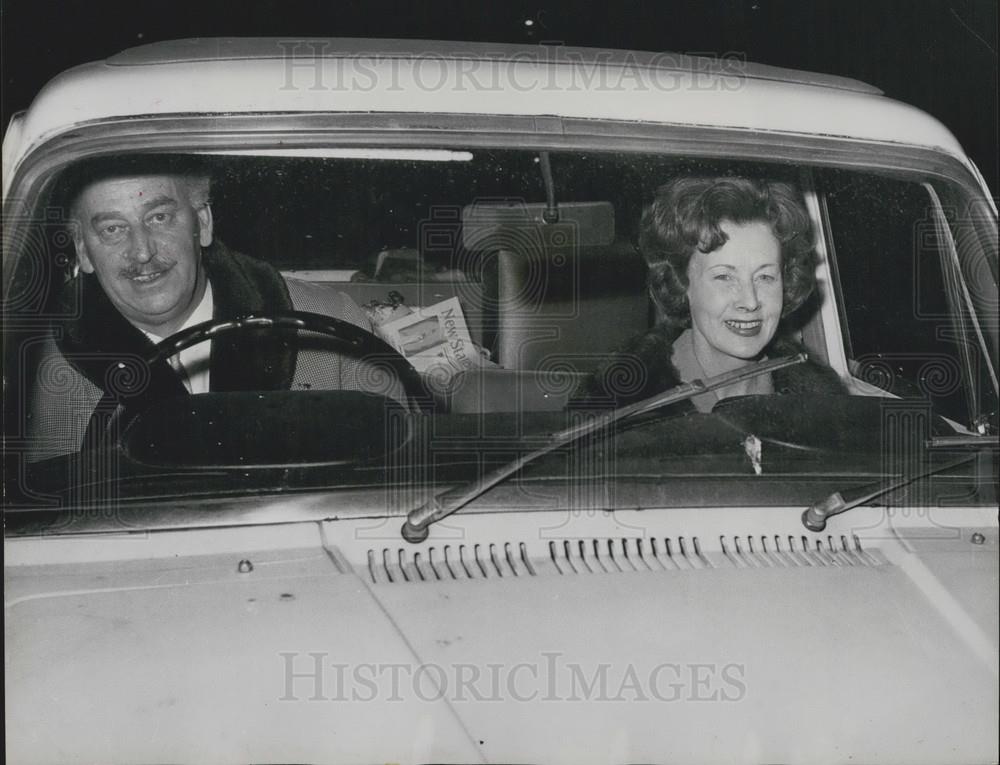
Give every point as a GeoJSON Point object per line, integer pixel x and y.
{"type": "Point", "coordinates": [192, 363]}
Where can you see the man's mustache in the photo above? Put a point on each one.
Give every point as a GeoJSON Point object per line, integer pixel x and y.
{"type": "Point", "coordinates": [154, 265]}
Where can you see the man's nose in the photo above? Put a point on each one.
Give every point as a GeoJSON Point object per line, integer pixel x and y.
{"type": "Point", "coordinates": [747, 299]}
{"type": "Point", "coordinates": [143, 246]}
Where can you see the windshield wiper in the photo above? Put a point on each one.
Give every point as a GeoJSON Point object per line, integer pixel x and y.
{"type": "Point", "coordinates": [415, 529]}
{"type": "Point", "coordinates": [815, 516]}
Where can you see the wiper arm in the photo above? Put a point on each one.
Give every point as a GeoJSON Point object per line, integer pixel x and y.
{"type": "Point", "coordinates": [415, 529]}
{"type": "Point", "coordinates": [814, 517]}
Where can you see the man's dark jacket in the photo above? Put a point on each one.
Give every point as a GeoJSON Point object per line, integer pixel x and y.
{"type": "Point", "coordinates": [97, 338]}
{"type": "Point", "coordinates": [95, 353]}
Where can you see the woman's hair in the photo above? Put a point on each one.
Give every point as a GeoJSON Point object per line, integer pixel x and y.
{"type": "Point", "coordinates": [686, 216]}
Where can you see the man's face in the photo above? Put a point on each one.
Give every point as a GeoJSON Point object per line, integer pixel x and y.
{"type": "Point", "coordinates": [142, 237]}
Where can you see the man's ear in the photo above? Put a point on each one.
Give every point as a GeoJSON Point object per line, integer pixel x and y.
{"type": "Point", "coordinates": [204, 214]}
{"type": "Point", "coordinates": [82, 258]}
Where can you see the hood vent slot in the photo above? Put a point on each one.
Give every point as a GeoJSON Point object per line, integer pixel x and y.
{"type": "Point", "coordinates": [595, 556]}
{"type": "Point", "coordinates": [492, 561]}
{"type": "Point", "coordinates": [805, 551]}
{"type": "Point", "coordinates": [615, 556]}
{"type": "Point", "coordinates": [607, 556]}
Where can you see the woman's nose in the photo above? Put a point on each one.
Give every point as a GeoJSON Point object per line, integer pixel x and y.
{"type": "Point", "coordinates": [747, 299]}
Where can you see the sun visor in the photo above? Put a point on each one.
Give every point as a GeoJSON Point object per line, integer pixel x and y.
{"type": "Point", "coordinates": [515, 225]}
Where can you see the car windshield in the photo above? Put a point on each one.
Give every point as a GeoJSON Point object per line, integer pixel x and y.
{"type": "Point", "coordinates": [420, 317]}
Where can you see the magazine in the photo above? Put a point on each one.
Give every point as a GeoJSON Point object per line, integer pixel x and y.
{"type": "Point", "coordinates": [434, 339]}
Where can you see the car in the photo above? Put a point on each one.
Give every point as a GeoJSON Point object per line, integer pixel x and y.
{"type": "Point", "coordinates": [459, 558]}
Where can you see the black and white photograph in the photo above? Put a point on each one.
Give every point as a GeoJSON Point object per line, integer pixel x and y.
{"type": "Point", "coordinates": [526, 382]}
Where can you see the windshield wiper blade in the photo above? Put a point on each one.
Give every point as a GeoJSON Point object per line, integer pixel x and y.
{"type": "Point", "coordinates": [415, 528]}
{"type": "Point", "coordinates": [815, 516]}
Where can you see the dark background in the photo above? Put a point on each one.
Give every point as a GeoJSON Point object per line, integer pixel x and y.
{"type": "Point", "coordinates": [939, 55]}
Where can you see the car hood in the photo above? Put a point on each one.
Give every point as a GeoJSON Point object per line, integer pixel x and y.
{"type": "Point", "coordinates": [185, 647]}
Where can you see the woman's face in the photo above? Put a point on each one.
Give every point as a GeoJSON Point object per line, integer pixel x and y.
{"type": "Point", "coordinates": [735, 294]}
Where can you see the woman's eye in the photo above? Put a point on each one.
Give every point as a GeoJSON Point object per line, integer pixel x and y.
{"type": "Point", "coordinates": [723, 277]}
{"type": "Point", "coordinates": [767, 278]}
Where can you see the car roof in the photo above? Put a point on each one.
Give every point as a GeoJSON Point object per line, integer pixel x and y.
{"type": "Point", "coordinates": [242, 48]}
{"type": "Point", "coordinates": [263, 75]}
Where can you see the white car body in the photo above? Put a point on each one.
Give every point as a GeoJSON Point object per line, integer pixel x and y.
{"type": "Point", "coordinates": [301, 628]}
{"type": "Point", "coordinates": [246, 76]}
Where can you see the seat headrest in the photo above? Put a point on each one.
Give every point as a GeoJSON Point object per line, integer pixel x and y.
{"type": "Point", "coordinates": [511, 224]}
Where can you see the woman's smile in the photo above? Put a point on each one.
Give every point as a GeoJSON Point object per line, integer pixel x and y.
{"type": "Point", "coordinates": [744, 328]}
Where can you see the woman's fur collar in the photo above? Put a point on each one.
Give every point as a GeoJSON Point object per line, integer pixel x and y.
{"type": "Point", "coordinates": [643, 368]}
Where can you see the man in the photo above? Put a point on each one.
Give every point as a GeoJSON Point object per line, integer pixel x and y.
{"type": "Point", "coordinates": [150, 267]}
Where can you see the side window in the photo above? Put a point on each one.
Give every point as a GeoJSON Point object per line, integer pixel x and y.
{"type": "Point", "coordinates": [905, 327]}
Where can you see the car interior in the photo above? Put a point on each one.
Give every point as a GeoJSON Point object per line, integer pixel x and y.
{"type": "Point", "coordinates": [548, 288]}
{"type": "Point", "coordinates": [539, 250]}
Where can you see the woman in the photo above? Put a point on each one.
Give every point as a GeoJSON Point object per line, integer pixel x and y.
{"type": "Point", "coordinates": [729, 259]}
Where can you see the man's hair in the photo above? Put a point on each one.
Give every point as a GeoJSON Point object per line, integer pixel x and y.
{"type": "Point", "coordinates": [686, 216]}
{"type": "Point", "coordinates": [191, 171]}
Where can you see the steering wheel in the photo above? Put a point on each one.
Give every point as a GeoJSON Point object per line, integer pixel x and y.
{"type": "Point", "coordinates": [349, 338]}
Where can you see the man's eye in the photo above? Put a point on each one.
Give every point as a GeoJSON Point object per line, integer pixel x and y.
{"type": "Point", "coordinates": [112, 229]}
{"type": "Point", "coordinates": [160, 218]}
